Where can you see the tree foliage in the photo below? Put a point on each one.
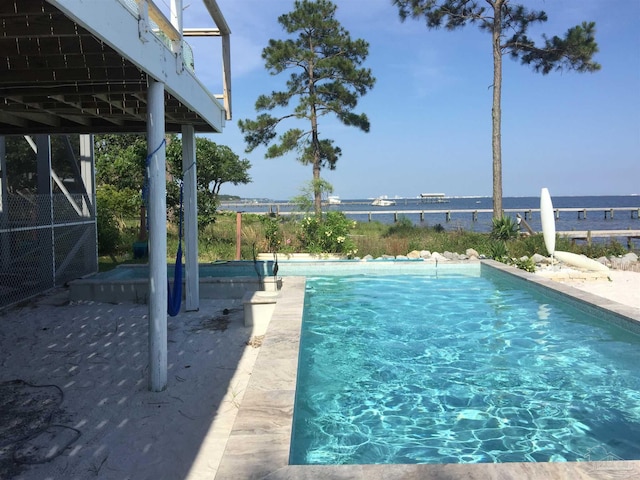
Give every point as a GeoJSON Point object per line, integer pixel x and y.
{"type": "Point", "coordinates": [22, 164]}
{"type": "Point", "coordinates": [326, 78]}
{"type": "Point", "coordinates": [121, 160]}
{"type": "Point", "coordinates": [508, 23]}
{"type": "Point", "coordinates": [120, 171]}
{"type": "Point", "coordinates": [216, 165]}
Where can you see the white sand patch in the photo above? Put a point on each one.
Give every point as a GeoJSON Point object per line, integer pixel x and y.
{"type": "Point", "coordinates": [617, 285]}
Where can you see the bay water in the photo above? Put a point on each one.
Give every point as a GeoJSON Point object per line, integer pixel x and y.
{"type": "Point", "coordinates": [436, 213]}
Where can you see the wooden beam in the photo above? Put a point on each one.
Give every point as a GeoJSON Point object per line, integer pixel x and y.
{"type": "Point", "coordinates": [163, 22]}
{"type": "Point", "coordinates": [201, 32]}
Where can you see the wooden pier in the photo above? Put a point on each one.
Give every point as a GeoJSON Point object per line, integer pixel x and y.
{"type": "Point", "coordinates": [607, 212]}
{"type": "Point", "coordinates": [573, 235]}
{"type": "Point", "coordinates": [587, 235]}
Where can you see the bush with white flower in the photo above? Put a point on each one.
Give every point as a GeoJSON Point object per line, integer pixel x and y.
{"type": "Point", "coordinates": [327, 234]}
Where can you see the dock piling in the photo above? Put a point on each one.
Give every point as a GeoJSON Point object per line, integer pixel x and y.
{"type": "Point", "coordinates": [477, 214]}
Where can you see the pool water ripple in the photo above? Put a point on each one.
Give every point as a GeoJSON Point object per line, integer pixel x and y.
{"type": "Point", "coordinates": [458, 369]}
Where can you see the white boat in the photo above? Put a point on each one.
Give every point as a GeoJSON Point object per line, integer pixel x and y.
{"type": "Point", "coordinates": [333, 200]}
{"type": "Point", "coordinates": [383, 202]}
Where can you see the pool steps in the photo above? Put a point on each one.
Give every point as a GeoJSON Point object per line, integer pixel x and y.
{"type": "Point", "coordinates": [258, 310]}
{"type": "Point", "coordinates": [137, 290]}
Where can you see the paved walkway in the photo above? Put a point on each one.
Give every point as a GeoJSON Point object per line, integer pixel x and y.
{"type": "Point", "coordinates": [85, 364]}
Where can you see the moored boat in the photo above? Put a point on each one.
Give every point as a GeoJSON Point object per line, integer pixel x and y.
{"type": "Point", "coordinates": [383, 202]}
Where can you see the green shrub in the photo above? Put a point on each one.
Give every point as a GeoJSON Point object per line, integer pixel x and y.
{"type": "Point", "coordinates": [527, 246]}
{"type": "Point", "coordinates": [121, 203]}
{"type": "Point", "coordinates": [207, 208]}
{"type": "Point", "coordinates": [328, 234]}
{"type": "Point", "coordinates": [597, 250]}
{"type": "Point", "coordinates": [498, 251]}
{"type": "Point", "coordinates": [217, 241]}
{"type": "Point", "coordinates": [526, 264]}
{"type": "Point", "coordinates": [504, 228]}
{"type": "Point", "coordinates": [272, 233]}
{"type": "Point", "coordinates": [109, 236]}
{"type": "Point", "coordinates": [403, 226]}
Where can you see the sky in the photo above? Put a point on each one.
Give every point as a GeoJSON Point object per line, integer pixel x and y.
{"type": "Point", "coordinates": [430, 108]}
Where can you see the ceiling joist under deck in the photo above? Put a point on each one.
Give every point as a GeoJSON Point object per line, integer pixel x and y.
{"type": "Point", "coordinates": [61, 72]}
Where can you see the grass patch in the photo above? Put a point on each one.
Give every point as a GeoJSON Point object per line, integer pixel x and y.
{"type": "Point", "coordinates": [217, 241]}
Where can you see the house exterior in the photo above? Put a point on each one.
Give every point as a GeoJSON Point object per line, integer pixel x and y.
{"type": "Point", "coordinates": [70, 69]}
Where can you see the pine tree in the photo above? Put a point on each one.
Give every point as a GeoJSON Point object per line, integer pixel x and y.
{"type": "Point", "coordinates": [508, 22]}
{"type": "Point", "coordinates": [326, 78]}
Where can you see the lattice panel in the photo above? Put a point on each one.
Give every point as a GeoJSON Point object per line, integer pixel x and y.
{"type": "Point", "coordinates": [36, 253]}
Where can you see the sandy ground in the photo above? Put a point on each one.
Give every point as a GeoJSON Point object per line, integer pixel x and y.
{"type": "Point", "coordinates": [74, 402]}
{"type": "Point", "coordinates": [74, 398]}
{"type": "Point", "coordinates": [617, 285]}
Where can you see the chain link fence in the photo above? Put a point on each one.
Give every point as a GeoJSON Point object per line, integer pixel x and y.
{"type": "Point", "coordinates": [45, 241]}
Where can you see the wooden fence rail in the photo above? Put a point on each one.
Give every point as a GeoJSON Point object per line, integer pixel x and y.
{"type": "Point", "coordinates": [587, 235]}
{"type": "Point", "coordinates": [608, 212]}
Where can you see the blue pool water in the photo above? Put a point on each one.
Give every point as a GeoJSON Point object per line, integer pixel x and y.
{"type": "Point", "coordinates": [261, 268]}
{"type": "Point", "coordinates": [459, 369]}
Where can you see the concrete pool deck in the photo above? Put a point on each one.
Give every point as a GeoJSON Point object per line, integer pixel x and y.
{"type": "Point", "coordinates": [226, 413]}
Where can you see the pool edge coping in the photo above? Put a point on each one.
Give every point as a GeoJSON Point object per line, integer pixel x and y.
{"type": "Point", "coordinates": [259, 443]}
{"type": "Point", "coordinates": [594, 301]}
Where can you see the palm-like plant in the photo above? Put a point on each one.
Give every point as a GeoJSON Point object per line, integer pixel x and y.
{"type": "Point", "coordinates": [504, 228]}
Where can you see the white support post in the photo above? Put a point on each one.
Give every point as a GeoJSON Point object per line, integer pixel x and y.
{"type": "Point", "coordinates": [157, 238]}
{"type": "Point", "coordinates": [176, 15]}
{"type": "Point", "coordinates": [176, 45]}
{"type": "Point", "coordinates": [87, 172]}
{"type": "Point", "coordinates": [226, 75]}
{"type": "Point", "coordinates": [88, 176]}
{"type": "Point", "coordinates": [44, 208]}
{"type": "Point", "coordinates": [192, 276]}
{"type": "Point", "coordinates": [143, 22]}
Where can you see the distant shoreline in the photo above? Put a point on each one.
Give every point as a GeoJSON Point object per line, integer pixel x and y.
{"type": "Point", "coordinates": [417, 197]}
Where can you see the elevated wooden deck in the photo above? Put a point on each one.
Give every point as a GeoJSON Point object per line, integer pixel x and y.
{"type": "Point", "coordinates": [587, 235]}
{"type": "Point", "coordinates": [77, 66]}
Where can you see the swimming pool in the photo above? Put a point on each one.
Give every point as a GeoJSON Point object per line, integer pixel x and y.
{"type": "Point", "coordinates": [460, 369]}
{"type": "Point", "coordinates": [232, 279]}
{"type": "Point", "coordinates": [130, 282]}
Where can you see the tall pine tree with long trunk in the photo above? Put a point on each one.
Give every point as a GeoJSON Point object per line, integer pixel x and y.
{"type": "Point", "coordinates": [508, 22]}
{"type": "Point", "coordinates": [326, 78]}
